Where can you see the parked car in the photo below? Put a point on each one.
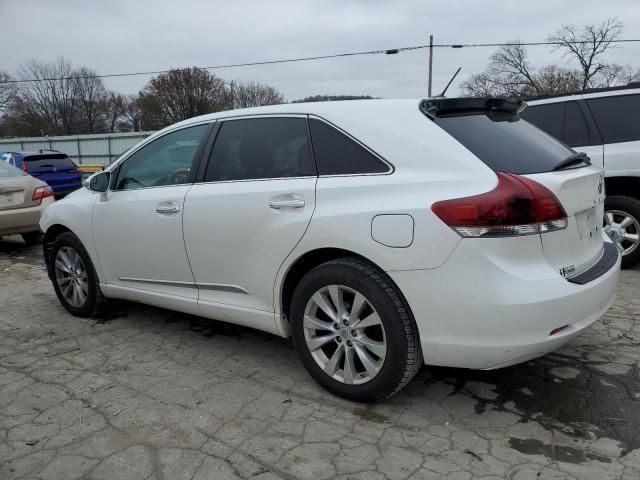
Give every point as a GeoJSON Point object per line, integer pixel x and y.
{"type": "Point", "coordinates": [22, 200]}
{"type": "Point", "coordinates": [53, 167]}
{"type": "Point", "coordinates": [605, 124]}
{"type": "Point", "coordinates": [379, 234]}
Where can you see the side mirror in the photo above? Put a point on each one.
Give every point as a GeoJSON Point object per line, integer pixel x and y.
{"type": "Point", "coordinates": [100, 182]}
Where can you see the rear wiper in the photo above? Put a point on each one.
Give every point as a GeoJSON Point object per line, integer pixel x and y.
{"type": "Point", "coordinates": [574, 160]}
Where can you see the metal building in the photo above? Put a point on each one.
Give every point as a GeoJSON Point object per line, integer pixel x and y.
{"type": "Point", "coordinates": [100, 148]}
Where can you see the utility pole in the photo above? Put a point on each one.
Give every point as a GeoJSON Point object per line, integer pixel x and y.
{"type": "Point", "coordinates": [430, 65]}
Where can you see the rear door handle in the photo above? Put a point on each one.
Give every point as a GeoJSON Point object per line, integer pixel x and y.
{"type": "Point", "coordinates": [168, 208]}
{"type": "Point", "coordinates": [292, 203]}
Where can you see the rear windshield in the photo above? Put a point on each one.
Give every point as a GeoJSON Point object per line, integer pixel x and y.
{"type": "Point", "coordinates": [57, 160]}
{"type": "Point", "coordinates": [506, 143]}
{"type": "Point", "coordinates": [7, 170]}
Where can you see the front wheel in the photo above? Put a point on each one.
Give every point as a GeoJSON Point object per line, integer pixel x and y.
{"type": "Point", "coordinates": [353, 331]}
{"type": "Point", "coordinates": [622, 224]}
{"type": "Point", "coordinates": [74, 278]}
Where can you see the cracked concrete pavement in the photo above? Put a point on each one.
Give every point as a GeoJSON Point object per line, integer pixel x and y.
{"type": "Point", "coordinates": [153, 394]}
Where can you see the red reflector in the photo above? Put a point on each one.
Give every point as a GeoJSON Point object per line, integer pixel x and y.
{"type": "Point", "coordinates": [41, 192]}
{"type": "Point", "coordinates": [516, 206]}
{"type": "Point", "coordinates": [556, 330]}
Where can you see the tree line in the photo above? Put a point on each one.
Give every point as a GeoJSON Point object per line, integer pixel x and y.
{"type": "Point", "coordinates": [66, 100]}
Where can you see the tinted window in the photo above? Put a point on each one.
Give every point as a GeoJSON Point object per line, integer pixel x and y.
{"type": "Point", "coordinates": [505, 144]}
{"type": "Point", "coordinates": [337, 154]}
{"type": "Point", "coordinates": [549, 117]}
{"type": "Point", "coordinates": [618, 118]}
{"type": "Point", "coordinates": [165, 161]}
{"type": "Point", "coordinates": [257, 148]}
{"type": "Point", "coordinates": [576, 129]}
{"type": "Point", "coordinates": [58, 160]}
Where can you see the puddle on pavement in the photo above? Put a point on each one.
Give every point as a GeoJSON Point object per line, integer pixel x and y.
{"type": "Point", "coordinates": [366, 413]}
{"type": "Point", "coordinates": [557, 453]}
{"type": "Point", "coordinates": [588, 404]}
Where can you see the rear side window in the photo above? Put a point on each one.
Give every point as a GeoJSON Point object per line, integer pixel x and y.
{"type": "Point", "coordinates": [337, 154]}
{"type": "Point", "coordinates": [259, 148]}
{"type": "Point", "coordinates": [549, 117]}
{"type": "Point", "coordinates": [58, 160]}
{"type": "Point", "coordinates": [506, 143]}
{"type": "Point", "coordinates": [618, 118]}
{"type": "Point", "coordinates": [563, 120]}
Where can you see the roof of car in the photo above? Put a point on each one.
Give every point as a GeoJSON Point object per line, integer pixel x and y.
{"type": "Point", "coordinates": [631, 89]}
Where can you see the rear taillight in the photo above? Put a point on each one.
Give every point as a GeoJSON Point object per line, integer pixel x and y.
{"type": "Point", "coordinates": [23, 166]}
{"type": "Point", "coordinates": [517, 206]}
{"type": "Point", "coordinates": [41, 192]}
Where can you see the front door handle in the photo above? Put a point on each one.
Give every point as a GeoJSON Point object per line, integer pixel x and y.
{"type": "Point", "coordinates": [291, 203]}
{"type": "Point", "coordinates": [168, 208]}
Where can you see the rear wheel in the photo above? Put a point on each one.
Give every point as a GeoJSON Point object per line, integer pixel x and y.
{"type": "Point", "coordinates": [353, 331]}
{"type": "Point", "coordinates": [31, 238]}
{"type": "Point", "coordinates": [622, 224]}
{"type": "Point", "coordinates": [74, 278]}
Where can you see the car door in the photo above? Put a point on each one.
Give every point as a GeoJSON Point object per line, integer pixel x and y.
{"type": "Point", "coordinates": [251, 208]}
{"type": "Point", "coordinates": [137, 224]}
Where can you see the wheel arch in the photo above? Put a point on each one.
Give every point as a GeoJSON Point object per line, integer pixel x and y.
{"type": "Point", "coordinates": [627, 186]}
{"type": "Point", "coordinates": [308, 261]}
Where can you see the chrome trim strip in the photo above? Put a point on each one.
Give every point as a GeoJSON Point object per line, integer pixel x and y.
{"type": "Point", "coordinates": [221, 287]}
{"type": "Point", "coordinates": [169, 283]}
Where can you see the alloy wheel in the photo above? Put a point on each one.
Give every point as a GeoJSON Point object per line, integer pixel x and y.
{"type": "Point", "coordinates": [623, 229]}
{"type": "Point", "coordinates": [71, 276]}
{"type": "Point", "coordinates": [345, 334]}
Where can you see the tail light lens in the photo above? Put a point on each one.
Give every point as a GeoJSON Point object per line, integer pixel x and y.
{"type": "Point", "coordinates": [517, 206]}
{"type": "Point", "coordinates": [41, 192]}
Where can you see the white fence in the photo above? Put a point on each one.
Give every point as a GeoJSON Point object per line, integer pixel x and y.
{"type": "Point", "coordinates": [85, 149]}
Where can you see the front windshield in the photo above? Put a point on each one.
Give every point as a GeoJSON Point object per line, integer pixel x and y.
{"type": "Point", "coordinates": [7, 170]}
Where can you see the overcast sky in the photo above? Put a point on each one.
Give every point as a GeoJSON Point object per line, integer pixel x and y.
{"type": "Point", "coordinates": [140, 35]}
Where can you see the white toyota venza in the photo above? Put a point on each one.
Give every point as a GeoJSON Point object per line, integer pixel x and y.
{"type": "Point", "coordinates": [379, 234]}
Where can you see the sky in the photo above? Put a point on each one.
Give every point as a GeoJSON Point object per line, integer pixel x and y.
{"type": "Point", "coordinates": [145, 35]}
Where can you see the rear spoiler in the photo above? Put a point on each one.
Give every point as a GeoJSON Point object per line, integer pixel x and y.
{"type": "Point", "coordinates": [437, 107]}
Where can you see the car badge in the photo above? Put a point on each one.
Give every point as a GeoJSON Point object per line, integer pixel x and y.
{"type": "Point", "coordinates": [600, 182]}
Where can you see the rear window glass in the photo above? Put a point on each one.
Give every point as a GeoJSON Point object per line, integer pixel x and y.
{"type": "Point", "coordinates": [59, 160]}
{"type": "Point", "coordinates": [505, 143]}
{"type": "Point", "coordinates": [618, 118]}
{"type": "Point", "coordinates": [7, 170]}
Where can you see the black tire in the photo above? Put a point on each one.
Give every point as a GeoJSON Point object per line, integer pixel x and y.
{"type": "Point", "coordinates": [95, 302]}
{"type": "Point", "coordinates": [404, 356]}
{"type": "Point", "coordinates": [631, 206]}
{"type": "Point", "coordinates": [31, 238]}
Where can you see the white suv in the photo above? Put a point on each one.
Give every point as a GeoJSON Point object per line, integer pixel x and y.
{"type": "Point", "coordinates": [379, 234]}
{"type": "Point", "coordinates": [605, 124]}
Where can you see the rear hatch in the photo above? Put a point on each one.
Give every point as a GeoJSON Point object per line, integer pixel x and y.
{"type": "Point", "coordinates": [493, 131]}
{"type": "Point", "coordinates": [57, 169]}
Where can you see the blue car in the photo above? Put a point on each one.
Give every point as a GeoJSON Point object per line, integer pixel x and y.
{"type": "Point", "coordinates": [50, 166]}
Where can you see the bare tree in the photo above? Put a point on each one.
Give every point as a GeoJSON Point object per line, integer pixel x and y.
{"type": "Point", "coordinates": [91, 101]}
{"type": "Point", "coordinates": [254, 94]}
{"type": "Point", "coordinates": [181, 94]}
{"type": "Point", "coordinates": [587, 45]}
{"type": "Point", "coordinates": [114, 110]}
{"type": "Point", "coordinates": [132, 113]}
{"type": "Point", "coordinates": [511, 74]}
{"type": "Point", "coordinates": [7, 89]}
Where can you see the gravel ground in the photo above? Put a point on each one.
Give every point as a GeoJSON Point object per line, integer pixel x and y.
{"type": "Point", "coordinates": [153, 394]}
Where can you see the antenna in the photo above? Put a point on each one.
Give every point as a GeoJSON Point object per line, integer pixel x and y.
{"type": "Point", "coordinates": [449, 84]}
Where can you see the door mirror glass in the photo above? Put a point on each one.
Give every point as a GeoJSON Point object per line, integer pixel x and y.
{"type": "Point", "coordinates": [100, 182]}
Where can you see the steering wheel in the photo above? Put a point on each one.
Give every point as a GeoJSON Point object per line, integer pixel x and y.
{"type": "Point", "coordinates": [178, 176]}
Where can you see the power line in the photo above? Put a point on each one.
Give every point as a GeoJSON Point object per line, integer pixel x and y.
{"type": "Point", "coordinates": [390, 51]}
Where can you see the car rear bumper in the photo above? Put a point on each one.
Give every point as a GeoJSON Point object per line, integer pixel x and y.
{"type": "Point", "coordinates": [495, 303]}
{"type": "Point", "coordinates": [22, 220]}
